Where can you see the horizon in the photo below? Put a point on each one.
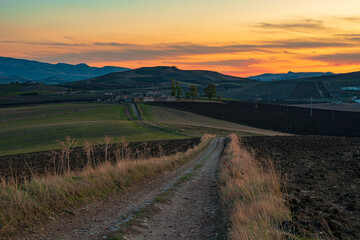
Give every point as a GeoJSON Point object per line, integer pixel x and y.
{"type": "Point", "coordinates": [234, 38]}
{"type": "Point", "coordinates": [89, 65]}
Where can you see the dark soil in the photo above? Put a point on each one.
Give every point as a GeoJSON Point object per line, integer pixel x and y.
{"type": "Point", "coordinates": [321, 182]}
{"type": "Point", "coordinates": [39, 163]}
{"type": "Point", "coordinates": [278, 117]}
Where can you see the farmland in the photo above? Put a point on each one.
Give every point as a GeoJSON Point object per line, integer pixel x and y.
{"type": "Point", "coordinates": [320, 181]}
{"type": "Point", "coordinates": [37, 128]}
{"type": "Point", "coordinates": [192, 123]}
{"type": "Point", "coordinates": [27, 165]}
{"type": "Point", "coordinates": [281, 118]}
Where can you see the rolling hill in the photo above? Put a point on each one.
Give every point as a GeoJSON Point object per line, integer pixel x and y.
{"type": "Point", "coordinates": [160, 77]}
{"type": "Point", "coordinates": [321, 88]}
{"type": "Point", "coordinates": [22, 70]}
{"type": "Point", "coordinates": [268, 77]}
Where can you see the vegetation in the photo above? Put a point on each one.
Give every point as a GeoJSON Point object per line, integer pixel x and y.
{"type": "Point", "coordinates": [178, 91]}
{"type": "Point", "coordinates": [25, 204]}
{"type": "Point", "coordinates": [37, 128]}
{"type": "Point", "coordinates": [173, 87]}
{"type": "Point", "coordinates": [192, 123]}
{"type": "Point", "coordinates": [210, 91]}
{"type": "Point", "coordinates": [251, 196]}
{"type": "Point", "coordinates": [193, 92]}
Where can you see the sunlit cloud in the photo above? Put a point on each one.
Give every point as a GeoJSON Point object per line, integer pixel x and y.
{"type": "Point", "coordinates": [137, 52]}
{"type": "Point", "coordinates": [44, 43]}
{"type": "Point", "coordinates": [237, 37]}
{"type": "Point", "coordinates": [351, 19]}
{"type": "Point", "coordinates": [299, 25]}
{"type": "Point", "coordinates": [339, 59]}
{"type": "Point", "coordinates": [115, 44]}
{"type": "Point", "coordinates": [239, 63]}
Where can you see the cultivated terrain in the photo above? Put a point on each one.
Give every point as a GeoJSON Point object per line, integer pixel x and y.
{"type": "Point", "coordinates": [320, 181]}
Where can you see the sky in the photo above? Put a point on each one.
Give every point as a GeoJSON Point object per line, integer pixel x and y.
{"type": "Point", "coordinates": [235, 37]}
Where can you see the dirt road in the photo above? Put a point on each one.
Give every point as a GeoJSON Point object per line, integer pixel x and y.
{"type": "Point", "coordinates": [135, 111]}
{"type": "Point", "coordinates": [192, 213]}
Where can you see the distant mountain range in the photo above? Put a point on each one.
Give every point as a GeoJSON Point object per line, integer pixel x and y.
{"type": "Point", "coordinates": [159, 77]}
{"type": "Point", "coordinates": [296, 87]}
{"type": "Point", "coordinates": [321, 87]}
{"type": "Point", "coordinates": [21, 70]}
{"type": "Point", "coordinates": [267, 77]}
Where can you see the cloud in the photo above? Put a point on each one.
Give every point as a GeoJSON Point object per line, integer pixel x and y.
{"type": "Point", "coordinates": [227, 63]}
{"type": "Point", "coordinates": [128, 52]}
{"type": "Point", "coordinates": [300, 25]}
{"type": "Point", "coordinates": [45, 43]}
{"type": "Point", "coordinates": [115, 51]}
{"type": "Point", "coordinates": [349, 35]}
{"type": "Point", "coordinates": [113, 44]}
{"type": "Point", "coordinates": [339, 59]}
{"type": "Point", "coordinates": [357, 39]}
{"type": "Point", "coordinates": [295, 44]}
{"type": "Point", "coordinates": [351, 19]}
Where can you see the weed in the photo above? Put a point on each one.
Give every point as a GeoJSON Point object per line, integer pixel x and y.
{"type": "Point", "coordinates": [31, 202]}
{"type": "Point", "coordinates": [251, 196]}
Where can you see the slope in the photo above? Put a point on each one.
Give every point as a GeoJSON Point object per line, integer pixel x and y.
{"type": "Point", "coordinates": [322, 88]}
{"type": "Point", "coordinates": [53, 73]}
{"type": "Point", "coordinates": [159, 77]}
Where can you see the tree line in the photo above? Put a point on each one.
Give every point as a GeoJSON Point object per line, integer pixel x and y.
{"type": "Point", "coordinates": [209, 91]}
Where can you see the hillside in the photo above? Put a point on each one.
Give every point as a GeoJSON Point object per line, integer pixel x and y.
{"type": "Point", "coordinates": [268, 77]}
{"type": "Point", "coordinates": [321, 88]}
{"type": "Point", "coordinates": [29, 88]}
{"type": "Point", "coordinates": [160, 77]}
{"type": "Point", "coordinates": [22, 70]}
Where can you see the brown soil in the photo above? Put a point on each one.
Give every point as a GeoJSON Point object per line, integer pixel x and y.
{"type": "Point", "coordinates": [102, 219]}
{"type": "Point", "coordinates": [38, 163]}
{"type": "Point", "coordinates": [321, 180]}
{"type": "Point", "coordinates": [191, 212]}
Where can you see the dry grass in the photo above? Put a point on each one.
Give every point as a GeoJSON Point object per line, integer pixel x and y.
{"type": "Point", "coordinates": [251, 196]}
{"type": "Point", "coordinates": [31, 202]}
{"type": "Point", "coordinates": [179, 118]}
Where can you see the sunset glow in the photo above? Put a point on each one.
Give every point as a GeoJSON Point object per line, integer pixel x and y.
{"type": "Point", "coordinates": [234, 37]}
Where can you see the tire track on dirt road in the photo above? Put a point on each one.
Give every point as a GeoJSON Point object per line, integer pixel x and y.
{"type": "Point", "coordinates": [101, 218]}
{"type": "Point", "coordinates": [192, 211]}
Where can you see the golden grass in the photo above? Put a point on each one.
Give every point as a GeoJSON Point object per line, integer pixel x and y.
{"type": "Point", "coordinates": [251, 196]}
{"type": "Point", "coordinates": [171, 117]}
{"type": "Point", "coordinates": [31, 202]}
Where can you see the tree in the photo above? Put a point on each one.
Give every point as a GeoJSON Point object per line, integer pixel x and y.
{"type": "Point", "coordinates": [188, 95]}
{"type": "Point", "coordinates": [210, 91]}
{"type": "Point", "coordinates": [193, 92]}
{"type": "Point", "coordinates": [173, 87]}
{"type": "Point", "coordinates": [178, 90]}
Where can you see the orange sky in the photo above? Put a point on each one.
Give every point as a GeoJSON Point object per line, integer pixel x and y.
{"type": "Point", "coordinates": [235, 37]}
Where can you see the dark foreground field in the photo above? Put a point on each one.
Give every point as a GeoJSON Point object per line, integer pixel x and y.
{"type": "Point", "coordinates": [38, 163]}
{"type": "Point", "coordinates": [321, 180]}
{"type": "Point", "coordinates": [277, 117]}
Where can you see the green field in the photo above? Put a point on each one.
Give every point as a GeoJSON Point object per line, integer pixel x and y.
{"type": "Point", "coordinates": [37, 128]}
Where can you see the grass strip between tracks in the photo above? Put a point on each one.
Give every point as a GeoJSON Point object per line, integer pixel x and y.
{"type": "Point", "coordinates": [25, 205]}
{"type": "Point", "coordinates": [251, 197]}
{"type": "Point", "coordinates": [134, 223]}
